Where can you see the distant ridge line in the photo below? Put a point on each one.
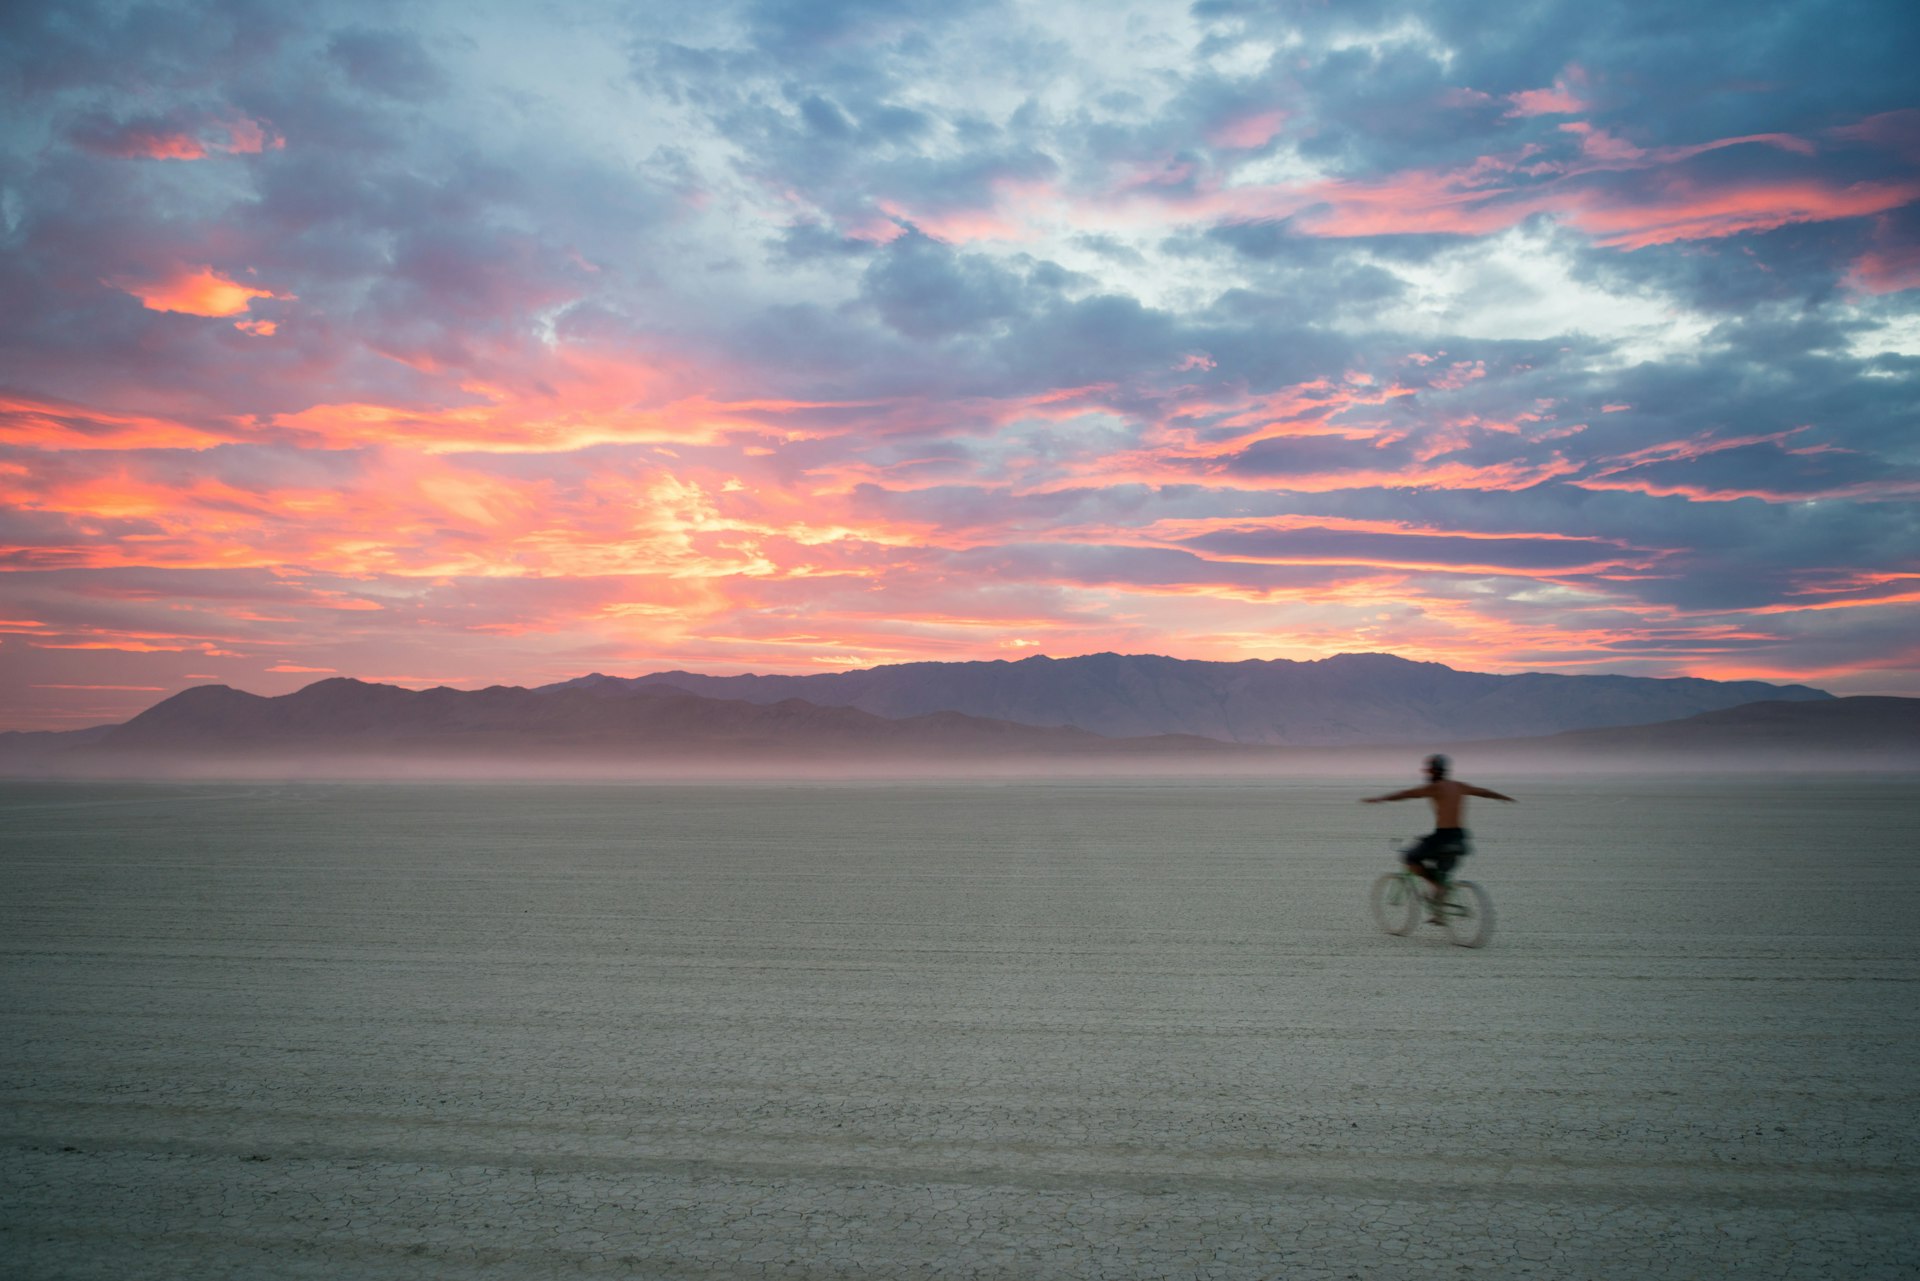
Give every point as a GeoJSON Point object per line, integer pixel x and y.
{"type": "Point", "coordinates": [347, 728]}
{"type": "Point", "coordinates": [1346, 699]}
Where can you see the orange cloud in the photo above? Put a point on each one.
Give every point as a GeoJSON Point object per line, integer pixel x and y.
{"type": "Point", "coordinates": [135, 688]}
{"type": "Point", "coordinates": [152, 145]}
{"type": "Point", "coordinates": [424, 516]}
{"type": "Point", "coordinates": [243, 137]}
{"type": "Point", "coordinates": [41, 423]}
{"type": "Point", "coordinates": [127, 646]}
{"type": "Point", "coordinates": [578, 400]}
{"type": "Point", "coordinates": [1866, 600]}
{"type": "Point", "coordinates": [195, 291]}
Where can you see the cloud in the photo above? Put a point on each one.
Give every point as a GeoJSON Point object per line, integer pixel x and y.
{"type": "Point", "coordinates": [1560, 100]}
{"type": "Point", "coordinates": [483, 345]}
{"type": "Point", "coordinates": [390, 63]}
{"type": "Point", "coordinates": [923, 290]}
{"type": "Point", "coordinates": [184, 138]}
{"type": "Point", "coordinates": [195, 291]}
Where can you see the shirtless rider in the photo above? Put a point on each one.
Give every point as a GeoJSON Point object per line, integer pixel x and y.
{"type": "Point", "coordinates": [1434, 855]}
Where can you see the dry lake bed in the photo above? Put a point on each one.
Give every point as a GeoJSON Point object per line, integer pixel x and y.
{"type": "Point", "coordinates": [1022, 1030]}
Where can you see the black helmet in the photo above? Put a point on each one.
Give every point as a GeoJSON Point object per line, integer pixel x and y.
{"type": "Point", "coordinates": [1437, 765]}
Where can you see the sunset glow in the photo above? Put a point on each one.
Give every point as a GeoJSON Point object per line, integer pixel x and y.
{"type": "Point", "coordinates": [482, 346]}
{"type": "Point", "coordinates": [195, 291]}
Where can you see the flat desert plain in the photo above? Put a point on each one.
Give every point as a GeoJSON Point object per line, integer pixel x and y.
{"type": "Point", "coordinates": [1013, 1030]}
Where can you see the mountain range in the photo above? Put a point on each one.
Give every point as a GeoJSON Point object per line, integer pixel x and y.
{"type": "Point", "coordinates": [1286, 716]}
{"type": "Point", "coordinates": [640, 719]}
{"type": "Point", "coordinates": [1348, 699]}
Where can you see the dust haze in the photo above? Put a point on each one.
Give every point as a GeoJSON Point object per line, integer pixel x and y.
{"type": "Point", "coordinates": [1228, 763]}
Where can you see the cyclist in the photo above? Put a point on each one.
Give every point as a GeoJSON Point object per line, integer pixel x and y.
{"type": "Point", "coordinates": [1434, 855]}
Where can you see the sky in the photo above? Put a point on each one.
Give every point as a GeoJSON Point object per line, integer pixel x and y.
{"type": "Point", "coordinates": [474, 343]}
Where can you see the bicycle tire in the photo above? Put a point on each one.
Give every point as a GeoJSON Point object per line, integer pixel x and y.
{"type": "Point", "coordinates": [1395, 903]}
{"type": "Point", "coordinates": [1468, 915]}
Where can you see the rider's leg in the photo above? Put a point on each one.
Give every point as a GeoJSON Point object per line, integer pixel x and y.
{"type": "Point", "coordinates": [1437, 868]}
{"type": "Point", "coordinates": [1419, 859]}
{"type": "Point", "coordinates": [1435, 891]}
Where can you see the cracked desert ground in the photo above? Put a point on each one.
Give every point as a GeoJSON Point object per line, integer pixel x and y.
{"type": "Point", "coordinates": [1012, 1030]}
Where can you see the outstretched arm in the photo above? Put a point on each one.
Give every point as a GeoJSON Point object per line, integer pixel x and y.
{"type": "Point", "coordinates": [1489, 793]}
{"type": "Point", "coordinates": [1411, 794]}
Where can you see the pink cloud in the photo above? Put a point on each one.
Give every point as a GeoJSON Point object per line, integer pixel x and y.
{"type": "Point", "coordinates": [1891, 265]}
{"type": "Point", "coordinates": [1704, 493]}
{"type": "Point", "coordinates": [247, 137]}
{"type": "Point", "coordinates": [1674, 202]}
{"type": "Point", "coordinates": [1557, 101]}
{"type": "Point", "coordinates": [1248, 131]}
{"type": "Point", "coordinates": [877, 230]}
{"type": "Point", "coordinates": [1459, 374]}
{"type": "Point", "coordinates": [1598, 144]}
{"type": "Point", "coordinates": [1618, 473]}
{"type": "Point", "coordinates": [1887, 271]}
{"type": "Point", "coordinates": [1007, 214]}
{"type": "Point", "coordinates": [1480, 200]}
{"type": "Point", "coordinates": [1563, 99]}
{"type": "Point", "coordinates": [1893, 130]}
{"type": "Point", "coordinates": [1686, 212]}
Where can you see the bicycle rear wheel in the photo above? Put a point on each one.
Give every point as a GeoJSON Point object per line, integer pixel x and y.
{"type": "Point", "coordinates": [1396, 905]}
{"type": "Point", "coordinates": [1468, 914]}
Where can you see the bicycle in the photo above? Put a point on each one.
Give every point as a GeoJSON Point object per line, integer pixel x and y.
{"type": "Point", "coordinates": [1400, 898]}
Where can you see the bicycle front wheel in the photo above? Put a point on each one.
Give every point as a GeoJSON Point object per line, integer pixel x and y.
{"type": "Point", "coordinates": [1396, 904]}
{"type": "Point", "coordinates": [1468, 914]}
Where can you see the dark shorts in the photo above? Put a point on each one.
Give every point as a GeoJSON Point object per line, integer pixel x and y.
{"type": "Point", "coordinates": [1439, 850]}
